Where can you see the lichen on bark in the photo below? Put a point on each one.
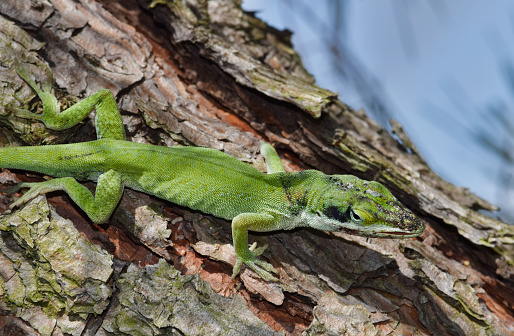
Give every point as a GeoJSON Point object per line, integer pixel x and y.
{"type": "Point", "coordinates": [50, 271]}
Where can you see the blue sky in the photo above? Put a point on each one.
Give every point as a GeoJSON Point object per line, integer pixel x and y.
{"type": "Point", "coordinates": [439, 65]}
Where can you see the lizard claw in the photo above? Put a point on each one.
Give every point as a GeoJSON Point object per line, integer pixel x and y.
{"type": "Point", "coordinates": [30, 194]}
{"type": "Point", "coordinates": [262, 268]}
{"type": "Point", "coordinates": [258, 251]}
{"type": "Point", "coordinates": [23, 113]}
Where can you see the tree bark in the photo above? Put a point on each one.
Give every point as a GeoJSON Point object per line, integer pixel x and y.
{"type": "Point", "coordinates": [205, 73]}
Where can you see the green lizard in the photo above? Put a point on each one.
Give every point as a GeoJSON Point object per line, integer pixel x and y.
{"type": "Point", "coordinates": [202, 179]}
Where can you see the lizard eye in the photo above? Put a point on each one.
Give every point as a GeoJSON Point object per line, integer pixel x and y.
{"type": "Point", "coordinates": [355, 217]}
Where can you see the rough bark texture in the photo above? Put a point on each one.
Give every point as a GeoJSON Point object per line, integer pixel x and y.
{"type": "Point", "coordinates": [205, 73]}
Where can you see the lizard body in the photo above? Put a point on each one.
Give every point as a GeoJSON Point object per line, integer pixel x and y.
{"type": "Point", "coordinates": [202, 179]}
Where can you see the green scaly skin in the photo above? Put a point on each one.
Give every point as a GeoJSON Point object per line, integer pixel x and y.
{"type": "Point", "coordinates": [202, 179]}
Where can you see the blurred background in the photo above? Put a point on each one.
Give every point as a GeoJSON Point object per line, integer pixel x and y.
{"type": "Point", "coordinates": [443, 68]}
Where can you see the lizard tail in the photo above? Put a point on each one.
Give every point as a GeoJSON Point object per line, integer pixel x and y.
{"type": "Point", "coordinates": [53, 160]}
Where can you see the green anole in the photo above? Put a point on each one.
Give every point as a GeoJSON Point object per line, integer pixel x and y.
{"type": "Point", "coordinates": [201, 179]}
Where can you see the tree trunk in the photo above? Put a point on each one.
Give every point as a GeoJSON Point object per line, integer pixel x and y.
{"type": "Point", "coordinates": [205, 73]}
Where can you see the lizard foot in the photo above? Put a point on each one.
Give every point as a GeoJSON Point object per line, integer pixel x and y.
{"type": "Point", "coordinates": [35, 189]}
{"type": "Point", "coordinates": [262, 268]}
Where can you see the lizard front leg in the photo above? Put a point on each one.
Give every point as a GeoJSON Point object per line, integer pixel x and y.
{"type": "Point", "coordinates": [273, 163]}
{"type": "Point", "coordinates": [255, 222]}
{"type": "Point", "coordinates": [249, 256]}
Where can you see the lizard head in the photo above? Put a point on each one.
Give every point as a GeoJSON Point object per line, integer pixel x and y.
{"type": "Point", "coordinates": [364, 208]}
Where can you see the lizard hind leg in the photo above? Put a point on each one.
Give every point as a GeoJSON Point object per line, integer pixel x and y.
{"type": "Point", "coordinates": [98, 207]}
{"type": "Point", "coordinates": [108, 119]}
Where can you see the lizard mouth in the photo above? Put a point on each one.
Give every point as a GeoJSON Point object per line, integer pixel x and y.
{"type": "Point", "coordinates": [396, 233]}
{"type": "Point", "coordinates": [400, 234]}
{"type": "Point", "coordinates": [381, 234]}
